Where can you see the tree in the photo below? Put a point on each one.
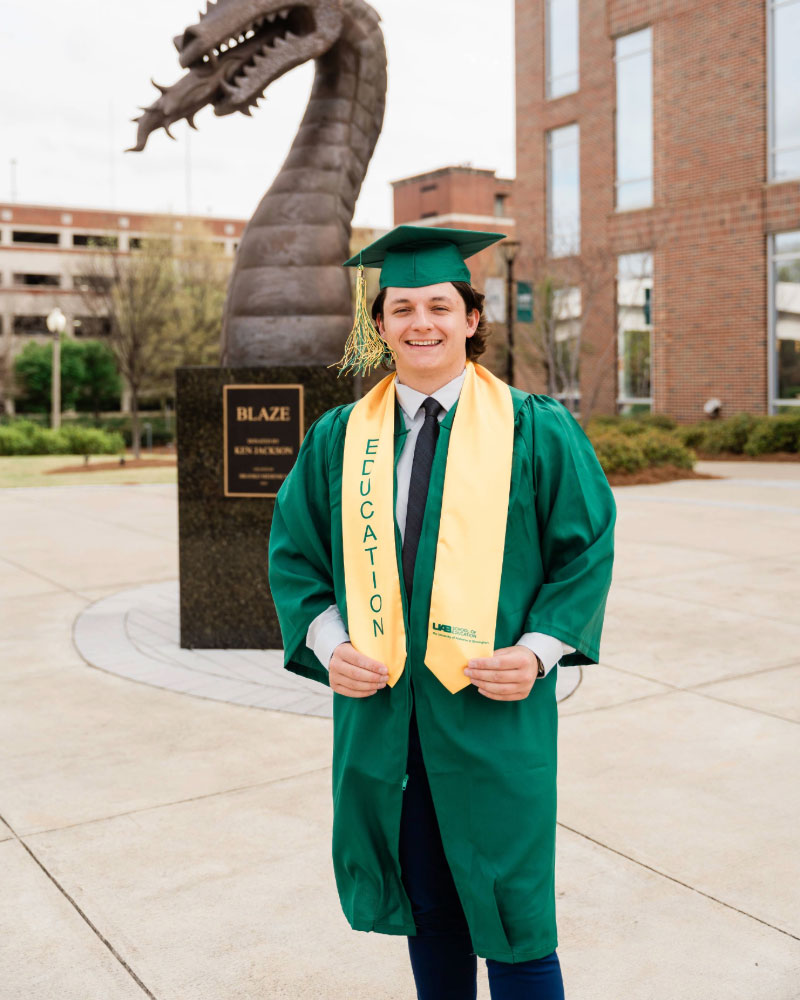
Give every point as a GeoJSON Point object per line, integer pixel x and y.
{"type": "Point", "coordinates": [192, 332]}
{"type": "Point", "coordinates": [134, 291]}
{"type": "Point", "coordinates": [164, 305]}
{"type": "Point", "coordinates": [33, 368]}
{"type": "Point", "coordinates": [565, 294]}
{"type": "Point", "coordinates": [102, 379]}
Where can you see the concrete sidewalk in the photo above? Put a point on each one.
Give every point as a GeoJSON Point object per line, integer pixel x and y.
{"type": "Point", "coordinates": [158, 844]}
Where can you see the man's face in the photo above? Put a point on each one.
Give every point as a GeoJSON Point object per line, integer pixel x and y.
{"type": "Point", "coordinates": [427, 328]}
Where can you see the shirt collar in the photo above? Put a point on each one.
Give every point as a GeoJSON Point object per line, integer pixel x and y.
{"type": "Point", "coordinates": [411, 399]}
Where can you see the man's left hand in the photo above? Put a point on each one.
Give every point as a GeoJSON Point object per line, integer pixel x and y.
{"type": "Point", "coordinates": [507, 675]}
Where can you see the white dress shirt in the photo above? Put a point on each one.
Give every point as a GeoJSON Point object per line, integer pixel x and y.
{"type": "Point", "coordinates": [327, 630]}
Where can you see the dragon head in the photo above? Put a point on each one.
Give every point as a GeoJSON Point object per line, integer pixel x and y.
{"type": "Point", "coordinates": [235, 51]}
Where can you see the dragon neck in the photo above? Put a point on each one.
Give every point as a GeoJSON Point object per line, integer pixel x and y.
{"type": "Point", "coordinates": [289, 296]}
{"type": "Point", "coordinates": [340, 127]}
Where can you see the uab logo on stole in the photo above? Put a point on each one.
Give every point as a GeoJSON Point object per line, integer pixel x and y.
{"type": "Point", "coordinates": [468, 633]}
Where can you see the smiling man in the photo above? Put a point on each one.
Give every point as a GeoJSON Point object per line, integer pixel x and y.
{"type": "Point", "coordinates": [438, 548]}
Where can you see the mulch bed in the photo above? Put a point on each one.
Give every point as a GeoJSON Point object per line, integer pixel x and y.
{"type": "Point", "coordinates": [130, 463]}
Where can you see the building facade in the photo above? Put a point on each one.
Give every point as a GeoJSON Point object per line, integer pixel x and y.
{"type": "Point", "coordinates": [464, 197]}
{"type": "Point", "coordinates": [658, 178]}
{"type": "Point", "coordinates": [460, 198]}
{"type": "Point", "coordinates": [44, 254]}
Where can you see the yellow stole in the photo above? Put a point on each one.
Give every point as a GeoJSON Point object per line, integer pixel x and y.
{"type": "Point", "coordinates": [472, 529]}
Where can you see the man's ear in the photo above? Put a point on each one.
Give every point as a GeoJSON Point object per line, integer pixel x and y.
{"type": "Point", "coordinates": [473, 318]}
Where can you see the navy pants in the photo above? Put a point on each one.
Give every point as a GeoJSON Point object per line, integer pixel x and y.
{"type": "Point", "coordinates": [442, 960]}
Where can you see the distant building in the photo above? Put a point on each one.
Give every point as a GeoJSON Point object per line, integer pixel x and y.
{"type": "Point", "coordinates": [467, 198]}
{"type": "Point", "coordinates": [43, 259]}
{"type": "Point", "coordinates": [42, 252]}
{"type": "Point", "coordinates": [660, 145]}
{"type": "Point", "coordinates": [459, 198]}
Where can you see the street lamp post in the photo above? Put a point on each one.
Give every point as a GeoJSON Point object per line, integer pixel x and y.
{"type": "Point", "coordinates": [510, 248]}
{"type": "Point", "coordinates": [56, 324]}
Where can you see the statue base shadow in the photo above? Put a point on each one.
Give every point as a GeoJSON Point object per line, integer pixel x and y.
{"type": "Point", "coordinates": [225, 601]}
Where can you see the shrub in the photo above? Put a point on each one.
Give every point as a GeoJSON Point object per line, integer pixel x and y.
{"type": "Point", "coordinates": [89, 441]}
{"type": "Point", "coordinates": [666, 448]}
{"type": "Point", "coordinates": [13, 441]}
{"type": "Point", "coordinates": [629, 451]}
{"type": "Point", "coordinates": [730, 434]}
{"type": "Point", "coordinates": [24, 437]}
{"type": "Point", "coordinates": [771, 434]}
{"type": "Point", "coordinates": [618, 453]}
{"type": "Point", "coordinates": [692, 435]}
{"type": "Point", "coordinates": [660, 420]}
{"type": "Point", "coordinates": [630, 428]}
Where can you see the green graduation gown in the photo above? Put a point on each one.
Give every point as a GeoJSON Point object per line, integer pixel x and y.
{"type": "Point", "coordinates": [491, 764]}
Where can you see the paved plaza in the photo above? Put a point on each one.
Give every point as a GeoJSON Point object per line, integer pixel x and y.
{"type": "Point", "coordinates": [165, 814]}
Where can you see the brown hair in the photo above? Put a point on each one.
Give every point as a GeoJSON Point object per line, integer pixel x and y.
{"type": "Point", "coordinates": [473, 299]}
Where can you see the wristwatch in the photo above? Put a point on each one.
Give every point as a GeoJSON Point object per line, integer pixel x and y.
{"type": "Point", "coordinates": [540, 671]}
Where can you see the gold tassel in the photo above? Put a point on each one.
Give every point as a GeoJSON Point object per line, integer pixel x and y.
{"type": "Point", "coordinates": [364, 348]}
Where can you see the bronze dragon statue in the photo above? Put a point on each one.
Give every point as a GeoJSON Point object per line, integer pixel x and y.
{"type": "Point", "coordinates": [289, 297]}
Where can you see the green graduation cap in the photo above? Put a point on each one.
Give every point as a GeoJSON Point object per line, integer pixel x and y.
{"type": "Point", "coordinates": [413, 256]}
{"type": "Point", "coordinates": [409, 257]}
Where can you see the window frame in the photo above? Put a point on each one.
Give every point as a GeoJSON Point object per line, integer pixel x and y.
{"type": "Point", "coordinates": [773, 400]}
{"type": "Point", "coordinates": [575, 250]}
{"type": "Point", "coordinates": [624, 400]}
{"type": "Point", "coordinates": [651, 176]}
{"type": "Point", "coordinates": [548, 76]}
{"type": "Point", "coordinates": [772, 149]}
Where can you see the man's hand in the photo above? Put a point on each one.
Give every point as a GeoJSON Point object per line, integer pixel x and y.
{"type": "Point", "coordinates": [354, 674]}
{"type": "Point", "coordinates": [507, 675]}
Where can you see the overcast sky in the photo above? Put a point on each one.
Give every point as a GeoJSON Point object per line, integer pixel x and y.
{"type": "Point", "coordinates": [73, 73]}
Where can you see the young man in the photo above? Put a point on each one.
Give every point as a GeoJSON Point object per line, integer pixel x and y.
{"type": "Point", "coordinates": [438, 547]}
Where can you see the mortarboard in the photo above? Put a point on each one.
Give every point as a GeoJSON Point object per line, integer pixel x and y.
{"type": "Point", "coordinates": [409, 257]}
{"type": "Point", "coordinates": [413, 256]}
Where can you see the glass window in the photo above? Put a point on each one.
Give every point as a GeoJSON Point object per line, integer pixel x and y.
{"type": "Point", "coordinates": [635, 329]}
{"type": "Point", "coordinates": [786, 316]}
{"type": "Point", "coordinates": [634, 120]}
{"type": "Point", "coordinates": [563, 192]}
{"type": "Point", "coordinates": [562, 47]}
{"type": "Point", "coordinates": [92, 240]}
{"type": "Point", "coordinates": [567, 346]}
{"type": "Point", "coordinates": [26, 236]}
{"type": "Point", "coordinates": [30, 324]}
{"type": "Point", "coordinates": [92, 326]}
{"type": "Point", "coordinates": [53, 280]}
{"type": "Point", "coordinates": [784, 88]}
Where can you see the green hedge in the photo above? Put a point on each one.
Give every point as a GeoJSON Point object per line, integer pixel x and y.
{"type": "Point", "coordinates": [163, 433]}
{"type": "Point", "coordinates": [740, 434]}
{"type": "Point", "coordinates": [622, 449]}
{"type": "Point", "coordinates": [24, 437]}
{"type": "Point", "coordinates": [745, 434]}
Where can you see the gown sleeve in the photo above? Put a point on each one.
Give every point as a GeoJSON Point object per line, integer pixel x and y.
{"type": "Point", "coordinates": [576, 513]}
{"type": "Point", "coordinates": [300, 566]}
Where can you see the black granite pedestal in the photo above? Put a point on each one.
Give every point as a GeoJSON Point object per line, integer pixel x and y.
{"type": "Point", "coordinates": [225, 601]}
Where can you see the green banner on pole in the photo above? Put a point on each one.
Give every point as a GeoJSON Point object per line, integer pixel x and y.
{"type": "Point", "coordinates": [524, 302]}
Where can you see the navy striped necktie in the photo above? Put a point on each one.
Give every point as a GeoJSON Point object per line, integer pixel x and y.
{"type": "Point", "coordinates": [418, 487]}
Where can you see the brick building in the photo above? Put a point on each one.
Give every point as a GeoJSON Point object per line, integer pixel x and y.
{"type": "Point", "coordinates": [460, 198]}
{"type": "Point", "coordinates": [658, 178]}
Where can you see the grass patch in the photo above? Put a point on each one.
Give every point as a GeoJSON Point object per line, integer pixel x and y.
{"type": "Point", "coordinates": [33, 470]}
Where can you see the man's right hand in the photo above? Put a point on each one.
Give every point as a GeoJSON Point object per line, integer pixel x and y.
{"type": "Point", "coordinates": [354, 674]}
